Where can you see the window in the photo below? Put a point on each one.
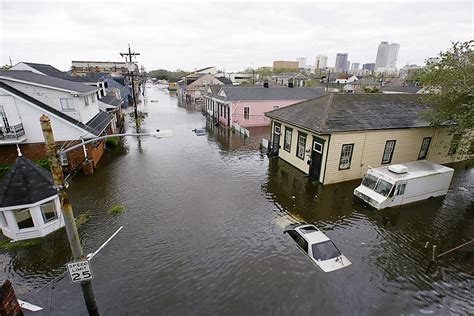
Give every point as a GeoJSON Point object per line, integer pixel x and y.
{"type": "Point", "coordinates": [225, 111]}
{"type": "Point", "coordinates": [369, 181]}
{"type": "Point", "coordinates": [23, 218]}
{"type": "Point", "coordinates": [246, 112]}
{"type": "Point", "coordinates": [299, 240]}
{"type": "Point", "coordinates": [86, 100]}
{"type": "Point", "coordinates": [301, 145]}
{"type": "Point", "coordinates": [317, 147]}
{"type": "Point", "coordinates": [325, 250]}
{"type": "Point", "coordinates": [346, 156]}
{"type": "Point", "coordinates": [425, 144]}
{"type": "Point", "coordinates": [288, 136]}
{"type": "Point", "coordinates": [308, 229]}
{"type": "Point", "coordinates": [67, 104]}
{"type": "Point", "coordinates": [276, 107]}
{"type": "Point", "coordinates": [48, 211]}
{"type": "Point", "coordinates": [401, 189]}
{"type": "Point", "coordinates": [383, 187]}
{"type": "Point", "coordinates": [277, 129]}
{"type": "Point", "coordinates": [3, 220]}
{"type": "Point", "coordinates": [454, 144]}
{"type": "Point", "coordinates": [388, 151]}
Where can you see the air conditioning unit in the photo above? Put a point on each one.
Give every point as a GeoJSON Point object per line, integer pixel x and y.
{"type": "Point", "coordinates": [399, 169]}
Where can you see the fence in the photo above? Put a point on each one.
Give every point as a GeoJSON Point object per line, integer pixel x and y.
{"type": "Point", "coordinates": [241, 130]}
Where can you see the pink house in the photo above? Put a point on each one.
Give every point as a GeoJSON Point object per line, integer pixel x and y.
{"type": "Point", "coordinates": [246, 105]}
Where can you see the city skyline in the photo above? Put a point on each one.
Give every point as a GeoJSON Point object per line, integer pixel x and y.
{"type": "Point", "coordinates": [165, 35]}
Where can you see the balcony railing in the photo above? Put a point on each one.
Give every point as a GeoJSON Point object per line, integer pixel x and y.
{"type": "Point", "coordinates": [11, 132]}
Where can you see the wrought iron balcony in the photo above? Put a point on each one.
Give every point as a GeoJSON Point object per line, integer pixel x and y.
{"type": "Point", "coordinates": [11, 132]}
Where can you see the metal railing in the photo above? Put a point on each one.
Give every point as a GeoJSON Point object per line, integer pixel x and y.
{"type": "Point", "coordinates": [12, 132]}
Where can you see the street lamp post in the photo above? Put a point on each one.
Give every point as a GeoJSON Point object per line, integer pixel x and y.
{"type": "Point", "coordinates": [68, 215]}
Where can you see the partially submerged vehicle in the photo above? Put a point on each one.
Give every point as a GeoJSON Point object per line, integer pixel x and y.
{"type": "Point", "coordinates": [200, 131]}
{"type": "Point", "coordinates": [403, 183]}
{"type": "Point", "coordinates": [318, 247]}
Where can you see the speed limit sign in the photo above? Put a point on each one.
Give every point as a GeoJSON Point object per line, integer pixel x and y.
{"type": "Point", "coordinates": [80, 271]}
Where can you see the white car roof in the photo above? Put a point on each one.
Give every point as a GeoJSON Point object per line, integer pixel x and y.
{"type": "Point", "coordinates": [313, 237]}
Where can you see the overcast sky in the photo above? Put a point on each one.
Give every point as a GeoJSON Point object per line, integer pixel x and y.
{"type": "Point", "coordinates": [229, 35]}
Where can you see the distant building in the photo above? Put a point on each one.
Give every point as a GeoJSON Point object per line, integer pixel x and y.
{"type": "Point", "coordinates": [285, 64]}
{"type": "Point", "coordinates": [321, 61]}
{"type": "Point", "coordinates": [207, 71]}
{"type": "Point", "coordinates": [341, 62]}
{"type": "Point", "coordinates": [368, 66]}
{"type": "Point", "coordinates": [301, 62]}
{"type": "Point", "coordinates": [355, 66]}
{"type": "Point", "coordinates": [387, 55]}
{"type": "Point", "coordinates": [82, 68]}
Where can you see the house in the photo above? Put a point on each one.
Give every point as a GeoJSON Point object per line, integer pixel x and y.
{"type": "Point", "coordinates": [42, 69]}
{"type": "Point", "coordinates": [364, 85]}
{"type": "Point", "coordinates": [191, 88]}
{"type": "Point", "coordinates": [335, 138]}
{"type": "Point", "coordinates": [29, 202]}
{"type": "Point", "coordinates": [344, 78]}
{"type": "Point", "coordinates": [246, 105]}
{"type": "Point", "coordinates": [84, 67]}
{"type": "Point", "coordinates": [288, 79]}
{"type": "Point", "coordinates": [212, 70]}
{"type": "Point", "coordinates": [72, 107]}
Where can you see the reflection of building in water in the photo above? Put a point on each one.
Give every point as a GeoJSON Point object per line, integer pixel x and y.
{"type": "Point", "coordinates": [295, 193]}
{"type": "Point", "coordinates": [228, 139]}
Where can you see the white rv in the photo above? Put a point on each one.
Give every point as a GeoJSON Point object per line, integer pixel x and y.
{"type": "Point", "coordinates": [404, 183]}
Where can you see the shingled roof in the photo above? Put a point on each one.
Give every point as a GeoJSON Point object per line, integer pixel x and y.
{"type": "Point", "coordinates": [49, 81]}
{"type": "Point", "coordinates": [354, 112]}
{"type": "Point", "coordinates": [95, 126]}
{"type": "Point", "coordinates": [257, 93]}
{"type": "Point", "coordinates": [26, 183]}
{"type": "Point", "coordinates": [46, 69]}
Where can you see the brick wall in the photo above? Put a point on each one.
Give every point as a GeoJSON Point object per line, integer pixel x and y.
{"type": "Point", "coordinates": [9, 305]}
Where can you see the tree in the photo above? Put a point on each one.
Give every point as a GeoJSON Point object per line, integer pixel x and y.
{"type": "Point", "coordinates": [5, 67]}
{"type": "Point", "coordinates": [451, 83]}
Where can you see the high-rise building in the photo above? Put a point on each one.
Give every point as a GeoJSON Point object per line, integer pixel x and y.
{"type": "Point", "coordinates": [301, 62]}
{"type": "Point", "coordinates": [348, 65]}
{"type": "Point", "coordinates": [355, 66]}
{"type": "Point", "coordinates": [387, 55]}
{"type": "Point", "coordinates": [368, 66]}
{"type": "Point", "coordinates": [321, 61]}
{"type": "Point", "coordinates": [341, 62]}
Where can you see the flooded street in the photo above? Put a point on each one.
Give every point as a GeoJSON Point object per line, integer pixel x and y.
{"type": "Point", "coordinates": [203, 234]}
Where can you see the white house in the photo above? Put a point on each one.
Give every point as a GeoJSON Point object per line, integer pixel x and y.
{"type": "Point", "coordinates": [72, 107]}
{"type": "Point", "coordinates": [29, 203]}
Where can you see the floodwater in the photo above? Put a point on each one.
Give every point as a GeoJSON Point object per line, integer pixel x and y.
{"type": "Point", "coordinates": [203, 234]}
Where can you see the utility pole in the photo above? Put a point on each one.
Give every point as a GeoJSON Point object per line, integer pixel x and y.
{"type": "Point", "coordinates": [327, 80]}
{"type": "Point", "coordinates": [130, 74]}
{"type": "Point", "coordinates": [68, 215]}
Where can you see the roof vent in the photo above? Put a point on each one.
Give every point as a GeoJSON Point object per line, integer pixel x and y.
{"type": "Point", "coordinates": [398, 169]}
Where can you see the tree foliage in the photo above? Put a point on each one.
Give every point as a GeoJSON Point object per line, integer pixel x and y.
{"type": "Point", "coordinates": [451, 83]}
{"type": "Point", "coordinates": [162, 74]}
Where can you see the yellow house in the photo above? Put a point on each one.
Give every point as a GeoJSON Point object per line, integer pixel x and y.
{"type": "Point", "coordinates": [336, 137]}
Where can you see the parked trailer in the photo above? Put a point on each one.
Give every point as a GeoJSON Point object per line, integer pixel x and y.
{"type": "Point", "coordinates": [403, 183]}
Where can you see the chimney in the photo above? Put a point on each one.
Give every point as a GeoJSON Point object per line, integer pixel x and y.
{"type": "Point", "coordinates": [265, 84]}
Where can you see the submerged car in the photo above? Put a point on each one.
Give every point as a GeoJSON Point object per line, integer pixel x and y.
{"type": "Point", "coordinates": [199, 131]}
{"type": "Point", "coordinates": [318, 247]}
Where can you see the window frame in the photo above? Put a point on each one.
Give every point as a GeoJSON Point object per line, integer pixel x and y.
{"type": "Point", "coordinates": [53, 204]}
{"type": "Point", "coordinates": [426, 150]}
{"type": "Point", "coordinates": [300, 134]}
{"type": "Point", "coordinates": [68, 101]}
{"type": "Point", "coordinates": [16, 212]}
{"type": "Point", "coordinates": [454, 145]}
{"type": "Point", "coordinates": [394, 141]}
{"type": "Point", "coordinates": [288, 129]}
{"type": "Point", "coordinates": [349, 162]}
{"type": "Point", "coordinates": [247, 117]}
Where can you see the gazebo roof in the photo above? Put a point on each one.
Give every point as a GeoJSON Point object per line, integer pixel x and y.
{"type": "Point", "coordinates": [26, 183]}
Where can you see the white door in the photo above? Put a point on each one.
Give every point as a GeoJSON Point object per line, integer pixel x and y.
{"type": "Point", "coordinates": [398, 193]}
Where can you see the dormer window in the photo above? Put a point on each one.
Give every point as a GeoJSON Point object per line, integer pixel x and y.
{"type": "Point", "coordinates": [67, 104]}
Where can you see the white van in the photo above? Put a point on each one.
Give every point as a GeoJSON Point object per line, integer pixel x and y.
{"type": "Point", "coordinates": [404, 183]}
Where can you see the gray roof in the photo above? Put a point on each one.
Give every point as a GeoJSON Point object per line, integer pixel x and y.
{"type": "Point", "coordinates": [365, 82]}
{"type": "Point", "coordinates": [94, 126]}
{"type": "Point", "coordinates": [111, 100]}
{"type": "Point", "coordinates": [401, 89]}
{"type": "Point", "coordinates": [48, 70]}
{"type": "Point", "coordinates": [257, 93]}
{"type": "Point", "coordinates": [224, 80]}
{"type": "Point", "coordinates": [25, 183]}
{"type": "Point", "coordinates": [49, 81]}
{"type": "Point", "coordinates": [354, 112]}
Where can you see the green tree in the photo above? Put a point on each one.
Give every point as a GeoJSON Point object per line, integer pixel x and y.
{"type": "Point", "coordinates": [451, 83]}
{"type": "Point", "coordinates": [5, 67]}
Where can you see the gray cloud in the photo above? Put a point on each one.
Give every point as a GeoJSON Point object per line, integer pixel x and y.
{"type": "Point", "coordinates": [229, 35]}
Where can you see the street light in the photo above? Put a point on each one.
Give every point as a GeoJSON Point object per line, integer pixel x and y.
{"type": "Point", "coordinates": [68, 215]}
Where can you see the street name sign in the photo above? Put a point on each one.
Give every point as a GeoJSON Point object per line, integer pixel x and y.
{"type": "Point", "coordinates": [80, 271]}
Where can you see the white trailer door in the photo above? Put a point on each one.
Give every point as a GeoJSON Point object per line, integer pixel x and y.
{"type": "Point", "coordinates": [399, 192]}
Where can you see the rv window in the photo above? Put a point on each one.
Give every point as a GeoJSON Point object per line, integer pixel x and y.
{"type": "Point", "coordinates": [369, 181]}
{"type": "Point", "coordinates": [383, 187]}
{"type": "Point", "coordinates": [401, 189]}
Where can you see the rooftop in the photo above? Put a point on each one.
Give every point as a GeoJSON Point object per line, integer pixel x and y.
{"type": "Point", "coordinates": [46, 69]}
{"type": "Point", "coordinates": [53, 82]}
{"type": "Point", "coordinates": [26, 183]}
{"type": "Point", "coordinates": [258, 93]}
{"type": "Point", "coordinates": [354, 112]}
